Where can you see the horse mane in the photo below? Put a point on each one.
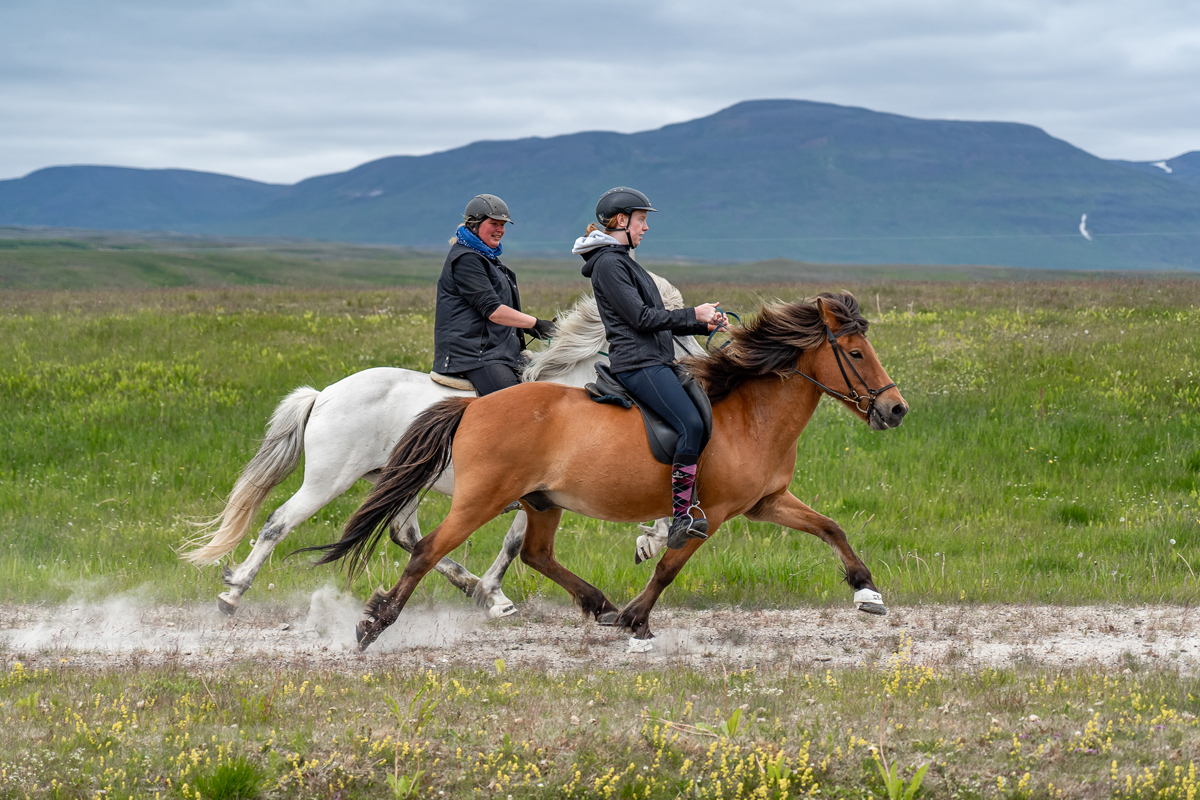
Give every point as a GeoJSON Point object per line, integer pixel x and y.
{"type": "Point", "coordinates": [580, 335]}
{"type": "Point", "coordinates": [773, 342]}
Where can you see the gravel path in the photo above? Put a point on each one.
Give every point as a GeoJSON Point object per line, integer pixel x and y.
{"type": "Point", "coordinates": [124, 632]}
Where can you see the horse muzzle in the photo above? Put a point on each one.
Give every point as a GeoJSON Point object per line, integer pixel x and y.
{"type": "Point", "coordinates": [886, 414]}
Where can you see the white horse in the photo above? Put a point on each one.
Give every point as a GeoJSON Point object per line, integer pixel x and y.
{"type": "Point", "coordinates": [348, 431]}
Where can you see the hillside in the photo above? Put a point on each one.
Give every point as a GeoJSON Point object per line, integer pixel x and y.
{"type": "Point", "coordinates": [120, 198]}
{"type": "Point", "coordinates": [760, 180]}
{"type": "Point", "coordinates": [1184, 168]}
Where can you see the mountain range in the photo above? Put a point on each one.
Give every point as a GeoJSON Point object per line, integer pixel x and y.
{"type": "Point", "coordinates": [761, 179]}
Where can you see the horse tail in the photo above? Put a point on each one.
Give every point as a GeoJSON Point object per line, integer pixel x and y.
{"type": "Point", "coordinates": [278, 455]}
{"type": "Point", "coordinates": [421, 455]}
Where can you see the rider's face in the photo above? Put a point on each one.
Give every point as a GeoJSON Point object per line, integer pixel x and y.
{"type": "Point", "coordinates": [491, 231]}
{"type": "Point", "coordinates": [637, 228]}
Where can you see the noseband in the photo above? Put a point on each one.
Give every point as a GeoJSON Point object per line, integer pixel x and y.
{"type": "Point", "coordinates": [852, 395]}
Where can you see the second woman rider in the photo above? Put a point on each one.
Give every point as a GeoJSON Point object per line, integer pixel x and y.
{"type": "Point", "coordinates": [640, 344]}
{"type": "Point", "coordinates": [477, 330]}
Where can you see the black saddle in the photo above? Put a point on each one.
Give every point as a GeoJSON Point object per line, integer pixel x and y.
{"type": "Point", "coordinates": [662, 437]}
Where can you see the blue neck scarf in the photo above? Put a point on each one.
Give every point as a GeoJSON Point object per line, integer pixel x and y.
{"type": "Point", "coordinates": [465, 237]}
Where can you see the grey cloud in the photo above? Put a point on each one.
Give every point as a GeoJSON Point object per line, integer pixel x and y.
{"type": "Point", "coordinates": [280, 90]}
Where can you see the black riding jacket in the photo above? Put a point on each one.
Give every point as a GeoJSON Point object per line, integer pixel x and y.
{"type": "Point", "coordinates": [638, 325]}
{"type": "Point", "coordinates": [470, 289]}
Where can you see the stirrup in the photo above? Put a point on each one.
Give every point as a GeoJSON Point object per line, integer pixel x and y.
{"type": "Point", "coordinates": [679, 534]}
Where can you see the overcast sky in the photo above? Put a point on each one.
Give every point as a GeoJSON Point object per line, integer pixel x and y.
{"type": "Point", "coordinates": [280, 90]}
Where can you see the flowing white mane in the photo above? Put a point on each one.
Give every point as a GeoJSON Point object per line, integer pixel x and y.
{"type": "Point", "coordinates": [581, 336]}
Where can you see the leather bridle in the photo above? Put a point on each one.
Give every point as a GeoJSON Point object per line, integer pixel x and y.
{"type": "Point", "coordinates": [852, 396]}
{"type": "Point", "coordinates": [843, 361]}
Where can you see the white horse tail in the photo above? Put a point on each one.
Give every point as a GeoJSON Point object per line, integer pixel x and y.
{"type": "Point", "coordinates": [278, 455]}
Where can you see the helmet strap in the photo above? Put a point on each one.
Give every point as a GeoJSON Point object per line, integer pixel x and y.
{"type": "Point", "coordinates": [629, 220]}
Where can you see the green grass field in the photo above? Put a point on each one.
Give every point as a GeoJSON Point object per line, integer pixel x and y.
{"type": "Point", "coordinates": [1052, 452]}
{"type": "Point", "coordinates": [1052, 455]}
{"type": "Point", "coordinates": [246, 732]}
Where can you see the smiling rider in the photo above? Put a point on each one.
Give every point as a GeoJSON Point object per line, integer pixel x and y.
{"type": "Point", "coordinates": [477, 330]}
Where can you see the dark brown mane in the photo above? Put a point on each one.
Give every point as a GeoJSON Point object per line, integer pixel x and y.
{"type": "Point", "coordinates": [773, 342]}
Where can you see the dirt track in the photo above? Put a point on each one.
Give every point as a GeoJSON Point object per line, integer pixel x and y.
{"type": "Point", "coordinates": [124, 632]}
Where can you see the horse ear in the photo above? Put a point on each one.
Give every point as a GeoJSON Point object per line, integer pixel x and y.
{"type": "Point", "coordinates": [831, 321]}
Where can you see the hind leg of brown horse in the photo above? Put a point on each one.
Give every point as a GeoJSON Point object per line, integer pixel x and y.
{"type": "Point", "coordinates": [636, 615]}
{"type": "Point", "coordinates": [538, 552]}
{"type": "Point", "coordinates": [384, 607]}
{"type": "Point", "coordinates": [784, 508]}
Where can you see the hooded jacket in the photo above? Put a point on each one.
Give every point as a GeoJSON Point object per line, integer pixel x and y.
{"type": "Point", "coordinates": [469, 291]}
{"type": "Point", "coordinates": [638, 325]}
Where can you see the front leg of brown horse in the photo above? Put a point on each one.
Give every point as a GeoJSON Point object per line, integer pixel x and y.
{"type": "Point", "coordinates": [636, 615]}
{"type": "Point", "coordinates": [538, 552]}
{"type": "Point", "coordinates": [784, 508]}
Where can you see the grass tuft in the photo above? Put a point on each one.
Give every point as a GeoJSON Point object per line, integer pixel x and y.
{"type": "Point", "coordinates": [1075, 514]}
{"type": "Point", "coordinates": [237, 778]}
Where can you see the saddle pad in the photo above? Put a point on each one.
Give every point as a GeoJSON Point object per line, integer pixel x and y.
{"type": "Point", "coordinates": [452, 381]}
{"type": "Point", "coordinates": [661, 436]}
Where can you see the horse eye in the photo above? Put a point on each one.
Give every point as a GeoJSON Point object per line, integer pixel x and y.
{"type": "Point", "coordinates": [856, 354]}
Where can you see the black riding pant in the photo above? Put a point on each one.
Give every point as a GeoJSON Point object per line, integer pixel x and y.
{"type": "Point", "coordinates": [658, 388]}
{"type": "Point", "coordinates": [492, 378]}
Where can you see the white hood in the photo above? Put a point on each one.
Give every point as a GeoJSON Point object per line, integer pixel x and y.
{"type": "Point", "coordinates": [593, 240]}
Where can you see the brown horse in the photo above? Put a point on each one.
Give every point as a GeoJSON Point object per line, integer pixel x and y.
{"type": "Point", "coordinates": [553, 448]}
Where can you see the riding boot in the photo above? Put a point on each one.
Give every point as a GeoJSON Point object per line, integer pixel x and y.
{"type": "Point", "coordinates": [683, 489]}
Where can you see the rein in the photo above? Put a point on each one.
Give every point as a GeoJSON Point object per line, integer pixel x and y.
{"type": "Point", "coordinates": [852, 395]}
{"type": "Point", "coordinates": [715, 331]}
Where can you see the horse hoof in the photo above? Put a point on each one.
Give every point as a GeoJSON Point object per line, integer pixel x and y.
{"type": "Point", "coordinates": [869, 601]}
{"type": "Point", "coordinates": [642, 550]}
{"type": "Point", "coordinates": [608, 619]}
{"type": "Point", "coordinates": [501, 610]}
{"type": "Point", "coordinates": [226, 605]}
{"type": "Point", "coordinates": [364, 636]}
{"type": "Point", "coordinates": [637, 645]}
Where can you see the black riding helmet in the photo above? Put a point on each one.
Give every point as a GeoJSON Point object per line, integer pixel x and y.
{"type": "Point", "coordinates": [485, 206]}
{"type": "Point", "coordinates": [621, 200]}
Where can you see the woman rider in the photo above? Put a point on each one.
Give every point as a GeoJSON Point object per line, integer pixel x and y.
{"type": "Point", "coordinates": [477, 330]}
{"type": "Point", "coordinates": [640, 345]}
